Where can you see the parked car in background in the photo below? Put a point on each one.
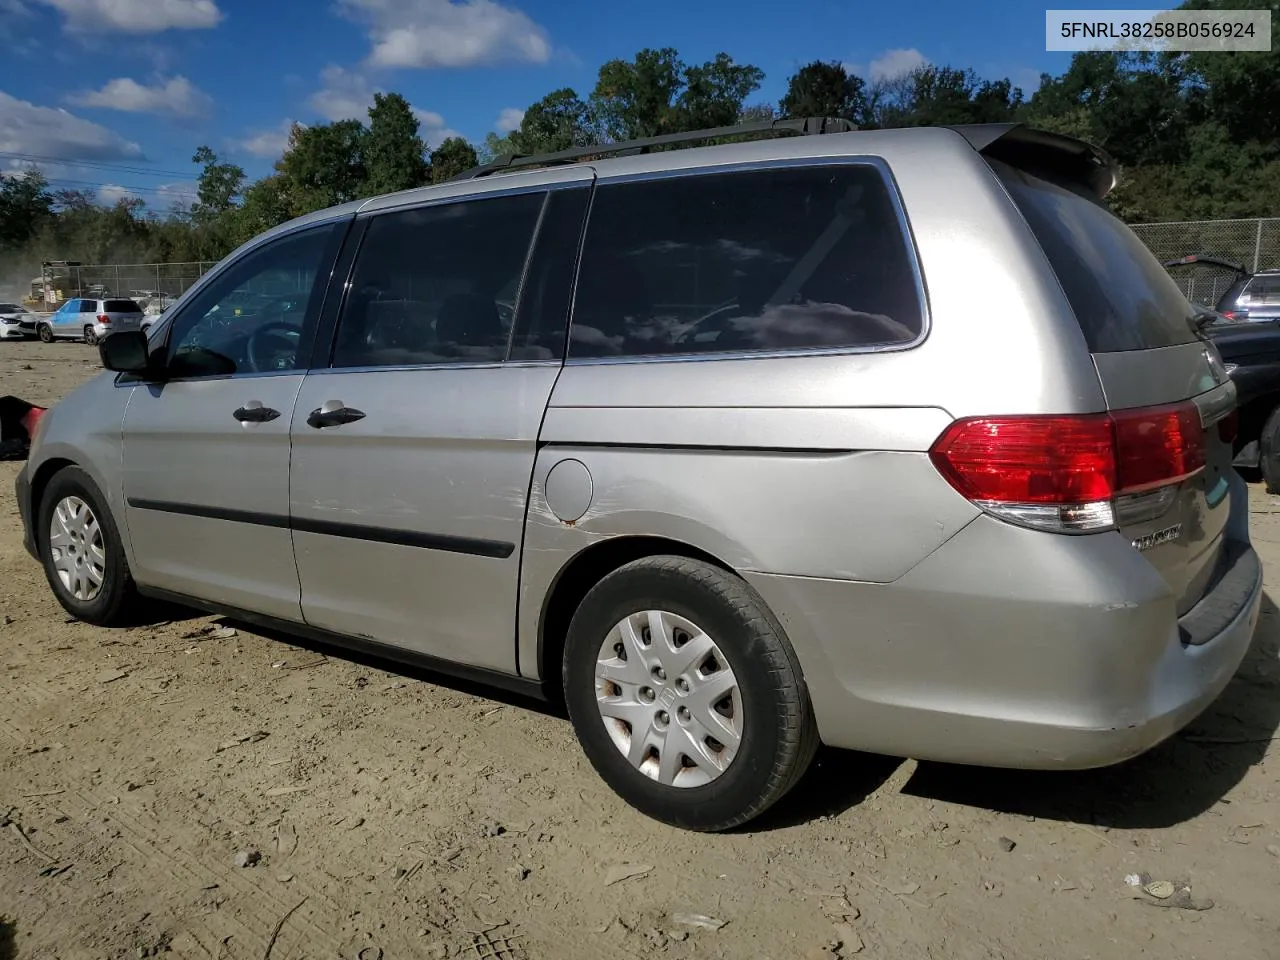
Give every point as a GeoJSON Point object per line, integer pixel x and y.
{"type": "Point", "coordinates": [1253, 298]}
{"type": "Point", "coordinates": [1232, 290]}
{"type": "Point", "coordinates": [90, 320]}
{"type": "Point", "coordinates": [836, 509]}
{"type": "Point", "coordinates": [16, 322]}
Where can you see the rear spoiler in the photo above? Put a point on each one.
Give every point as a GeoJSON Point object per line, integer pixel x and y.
{"type": "Point", "coordinates": [1196, 258]}
{"type": "Point", "coordinates": [1054, 155]}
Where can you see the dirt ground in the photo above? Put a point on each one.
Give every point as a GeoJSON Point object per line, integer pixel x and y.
{"type": "Point", "coordinates": [401, 815]}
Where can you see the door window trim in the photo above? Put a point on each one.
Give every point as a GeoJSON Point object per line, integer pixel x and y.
{"type": "Point", "coordinates": [322, 355]}
{"type": "Point", "coordinates": [750, 166]}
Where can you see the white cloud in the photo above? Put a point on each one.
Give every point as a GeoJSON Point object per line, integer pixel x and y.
{"type": "Point", "coordinates": [432, 128]}
{"type": "Point", "coordinates": [344, 96]}
{"type": "Point", "coordinates": [445, 33]}
{"type": "Point", "coordinates": [112, 193]}
{"type": "Point", "coordinates": [48, 132]}
{"type": "Point", "coordinates": [137, 16]}
{"type": "Point", "coordinates": [177, 96]}
{"type": "Point", "coordinates": [894, 63]}
{"type": "Point", "coordinates": [347, 95]}
{"type": "Point", "coordinates": [269, 144]}
{"type": "Point", "coordinates": [509, 119]}
{"type": "Point", "coordinates": [163, 196]}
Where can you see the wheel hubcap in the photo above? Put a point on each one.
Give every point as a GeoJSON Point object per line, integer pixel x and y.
{"type": "Point", "coordinates": [76, 548]}
{"type": "Point", "coordinates": [669, 699]}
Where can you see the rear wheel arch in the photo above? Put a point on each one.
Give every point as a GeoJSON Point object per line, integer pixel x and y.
{"type": "Point", "coordinates": [587, 568]}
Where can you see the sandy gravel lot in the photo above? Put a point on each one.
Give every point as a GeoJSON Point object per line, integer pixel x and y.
{"type": "Point", "coordinates": [394, 814]}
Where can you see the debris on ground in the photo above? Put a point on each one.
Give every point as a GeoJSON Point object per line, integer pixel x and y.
{"type": "Point", "coordinates": [243, 738]}
{"type": "Point", "coordinates": [625, 871]}
{"type": "Point", "coordinates": [110, 676]}
{"type": "Point", "coordinates": [848, 940]}
{"type": "Point", "coordinates": [699, 920]}
{"type": "Point", "coordinates": [1006, 844]}
{"type": "Point", "coordinates": [1160, 889]}
{"type": "Point", "coordinates": [248, 858]}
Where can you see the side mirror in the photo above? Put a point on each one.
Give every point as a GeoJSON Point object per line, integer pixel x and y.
{"type": "Point", "coordinates": [125, 352]}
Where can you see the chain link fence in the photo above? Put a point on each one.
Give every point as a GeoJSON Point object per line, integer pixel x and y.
{"type": "Point", "coordinates": [1252, 244]}
{"type": "Point", "coordinates": [161, 283]}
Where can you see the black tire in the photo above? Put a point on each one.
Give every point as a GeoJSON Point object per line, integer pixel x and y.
{"type": "Point", "coordinates": [45, 333]}
{"type": "Point", "coordinates": [779, 735]}
{"type": "Point", "coordinates": [1269, 451]}
{"type": "Point", "coordinates": [114, 600]}
{"type": "Point", "coordinates": [90, 335]}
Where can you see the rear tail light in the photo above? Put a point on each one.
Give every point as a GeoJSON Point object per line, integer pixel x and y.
{"type": "Point", "coordinates": [103, 318]}
{"type": "Point", "coordinates": [1074, 474]}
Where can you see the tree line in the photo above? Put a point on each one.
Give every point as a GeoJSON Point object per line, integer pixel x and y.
{"type": "Point", "coordinates": [1197, 136]}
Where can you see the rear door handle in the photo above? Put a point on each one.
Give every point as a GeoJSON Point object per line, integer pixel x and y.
{"type": "Point", "coordinates": [255, 412]}
{"type": "Point", "coordinates": [333, 416]}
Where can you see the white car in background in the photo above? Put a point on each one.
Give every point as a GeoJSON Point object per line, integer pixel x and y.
{"type": "Point", "coordinates": [16, 322]}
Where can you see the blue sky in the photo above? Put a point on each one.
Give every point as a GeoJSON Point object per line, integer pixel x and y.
{"type": "Point", "coordinates": [117, 94]}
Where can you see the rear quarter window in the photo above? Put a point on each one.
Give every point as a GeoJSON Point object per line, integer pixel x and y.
{"type": "Point", "coordinates": [775, 259]}
{"type": "Point", "coordinates": [1122, 297]}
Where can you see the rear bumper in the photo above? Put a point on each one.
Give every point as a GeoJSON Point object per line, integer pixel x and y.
{"type": "Point", "coordinates": [22, 492]}
{"type": "Point", "coordinates": [1012, 648]}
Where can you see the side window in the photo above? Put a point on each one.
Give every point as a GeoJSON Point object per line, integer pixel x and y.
{"type": "Point", "coordinates": [437, 284]}
{"type": "Point", "coordinates": [254, 316]}
{"type": "Point", "coordinates": [543, 318]}
{"type": "Point", "coordinates": [804, 258]}
{"type": "Point", "coordinates": [89, 306]}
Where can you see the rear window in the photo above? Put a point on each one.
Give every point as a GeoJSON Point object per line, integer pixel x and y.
{"type": "Point", "coordinates": [1121, 295]}
{"type": "Point", "coordinates": [806, 258]}
{"type": "Point", "coordinates": [122, 306]}
{"type": "Point", "coordinates": [1262, 290]}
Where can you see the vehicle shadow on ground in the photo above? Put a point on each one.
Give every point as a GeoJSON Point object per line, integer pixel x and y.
{"type": "Point", "coordinates": [1178, 780]}
{"type": "Point", "coordinates": [476, 688]}
{"type": "Point", "coordinates": [8, 939]}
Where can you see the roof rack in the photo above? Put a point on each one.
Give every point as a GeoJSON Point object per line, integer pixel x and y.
{"type": "Point", "coordinates": [802, 125]}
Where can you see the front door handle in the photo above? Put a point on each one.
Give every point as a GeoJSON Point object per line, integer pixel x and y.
{"type": "Point", "coordinates": [255, 412]}
{"type": "Point", "coordinates": [333, 414]}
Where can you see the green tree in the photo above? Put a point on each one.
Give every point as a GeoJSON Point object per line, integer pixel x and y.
{"type": "Point", "coordinates": [1240, 90]}
{"type": "Point", "coordinates": [325, 165]}
{"type": "Point", "coordinates": [394, 154]}
{"type": "Point", "coordinates": [657, 93]}
{"type": "Point", "coordinates": [218, 186]}
{"type": "Point", "coordinates": [558, 121]}
{"type": "Point", "coordinates": [821, 89]}
{"type": "Point", "coordinates": [266, 204]}
{"type": "Point", "coordinates": [25, 205]}
{"type": "Point", "coordinates": [452, 157]}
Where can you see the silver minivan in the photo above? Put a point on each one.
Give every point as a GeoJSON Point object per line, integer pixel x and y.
{"type": "Point", "coordinates": [893, 440]}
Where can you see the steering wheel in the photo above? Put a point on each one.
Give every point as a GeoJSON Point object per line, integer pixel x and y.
{"type": "Point", "coordinates": [259, 355]}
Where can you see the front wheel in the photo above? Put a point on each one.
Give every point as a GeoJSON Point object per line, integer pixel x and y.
{"type": "Point", "coordinates": [90, 336]}
{"type": "Point", "coordinates": [80, 547]}
{"type": "Point", "coordinates": [686, 695]}
{"type": "Point", "coordinates": [45, 333]}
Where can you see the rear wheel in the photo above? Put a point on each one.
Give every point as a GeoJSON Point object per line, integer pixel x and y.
{"type": "Point", "coordinates": [80, 547]}
{"type": "Point", "coordinates": [1269, 451]}
{"type": "Point", "coordinates": [90, 335]}
{"type": "Point", "coordinates": [686, 695]}
{"type": "Point", "coordinates": [45, 333]}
